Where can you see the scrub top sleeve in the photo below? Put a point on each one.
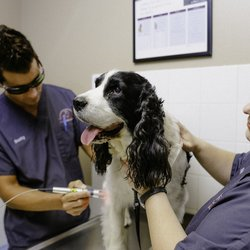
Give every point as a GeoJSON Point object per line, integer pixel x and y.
{"type": "Point", "coordinates": [237, 164]}
{"type": "Point", "coordinates": [195, 241]}
{"type": "Point", "coordinates": [225, 225]}
{"type": "Point", "coordinates": [6, 166]}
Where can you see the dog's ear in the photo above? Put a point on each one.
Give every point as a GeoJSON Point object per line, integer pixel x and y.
{"type": "Point", "coordinates": [148, 151]}
{"type": "Point", "coordinates": [102, 156]}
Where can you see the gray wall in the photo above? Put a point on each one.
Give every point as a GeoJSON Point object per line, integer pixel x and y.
{"type": "Point", "coordinates": [78, 38]}
{"type": "Point", "coordinates": [10, 13]}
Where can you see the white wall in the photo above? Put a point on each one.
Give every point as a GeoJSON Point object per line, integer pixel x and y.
{"type": "Point", "coordinates": [209, 102]}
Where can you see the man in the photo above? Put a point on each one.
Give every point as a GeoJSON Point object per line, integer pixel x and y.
{"type": "Point", "coordinates": [39, 139]}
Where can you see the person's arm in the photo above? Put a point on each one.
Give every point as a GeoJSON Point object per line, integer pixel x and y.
{"type": "Point", "coordinates": [164, 228]}
{"type": "Point", "coordinates": [216, 161]}
{"type": "Point", "coordinates": [72, 203]}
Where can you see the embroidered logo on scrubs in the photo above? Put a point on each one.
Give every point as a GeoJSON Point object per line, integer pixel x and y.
{"type": "Point", "coordinates": [65, 116]}
{"type": "Point", "coordinates": [242, 170]}
{"type": "Point", "coordinates": [215, 201]}
{"type": "Point", "coordinates": [21, 138]}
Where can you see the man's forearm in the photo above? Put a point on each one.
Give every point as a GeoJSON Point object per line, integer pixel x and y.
{"type": "Point", "coordinates": [34, 200]}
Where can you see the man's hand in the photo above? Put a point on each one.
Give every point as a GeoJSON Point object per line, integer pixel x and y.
{"type": "Point", "coordinates": [75, 203]}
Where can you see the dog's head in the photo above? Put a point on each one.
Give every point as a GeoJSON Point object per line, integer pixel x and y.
{"type": "Point", "coordinates": [126, 100]}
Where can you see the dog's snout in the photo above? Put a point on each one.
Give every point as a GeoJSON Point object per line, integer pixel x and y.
{"type": "Point", "coordinates": [79, 103]}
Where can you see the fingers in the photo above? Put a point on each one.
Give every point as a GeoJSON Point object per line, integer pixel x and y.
{"type": "Point", "coordinates": [179, 124]}
{"type": "Point", "coordinates": [189, 140]}
{"type": "Point", "coordinates": [124, 163]}
{"type": "Point", "coordinates": [75, 196]}
{"type": "Point", "coordinates": [77, 184]}
{"type": "Point", "coordinates": [182, 128]}
{"type": "Point", "coordinates": [75, 208]}
{"type": "Point", "coordinates": [76, 202]}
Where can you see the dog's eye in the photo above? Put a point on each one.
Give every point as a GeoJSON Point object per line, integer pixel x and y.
{"type": "Point", "coordinates": [113, 90]}
{"type": "Point", "coordinates": [116, 90]}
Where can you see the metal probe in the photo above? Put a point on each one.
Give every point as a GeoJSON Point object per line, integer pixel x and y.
{"type": "Point", "coordinates": [95, 193]}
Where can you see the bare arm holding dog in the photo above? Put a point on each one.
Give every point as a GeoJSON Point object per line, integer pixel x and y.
{"type": "Point", "coordinates": [164, 227]}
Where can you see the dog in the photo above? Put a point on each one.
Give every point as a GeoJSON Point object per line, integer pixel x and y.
{"type": "Point", "coordinates": [127, 123]}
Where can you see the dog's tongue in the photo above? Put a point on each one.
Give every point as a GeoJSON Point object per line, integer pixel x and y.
{"type": "Point", "coordinates": [89, 135]}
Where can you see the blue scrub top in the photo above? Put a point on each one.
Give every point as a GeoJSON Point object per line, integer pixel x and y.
{"type": "Point", "coordinates": [42, 152]}
{"type": "Point", "coordinates": [223, 223]}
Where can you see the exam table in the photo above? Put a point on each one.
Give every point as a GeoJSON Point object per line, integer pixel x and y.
{"type": "Point", "coordinates": [88, 237]}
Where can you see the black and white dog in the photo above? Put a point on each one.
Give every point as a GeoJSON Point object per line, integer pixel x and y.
{"type": "Point", "coordinates": [127, 123]}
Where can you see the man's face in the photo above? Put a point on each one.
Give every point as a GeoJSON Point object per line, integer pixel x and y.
{"type": "Point", "coordinates": [31, 97]}
{"type": "Point", "coordinates": [246, 110]}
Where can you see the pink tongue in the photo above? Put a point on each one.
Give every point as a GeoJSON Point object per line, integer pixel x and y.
{"type": "Point", "coordinates": [89, 135]}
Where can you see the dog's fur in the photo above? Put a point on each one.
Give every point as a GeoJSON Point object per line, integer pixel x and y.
{"type": "Point", "coordinates": [133, 128]}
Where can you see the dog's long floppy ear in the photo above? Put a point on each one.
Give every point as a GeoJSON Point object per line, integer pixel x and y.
{"type": "Point", "coordinates": [102, 156]}
{"type": "Point", "coordinates": [148, 151]}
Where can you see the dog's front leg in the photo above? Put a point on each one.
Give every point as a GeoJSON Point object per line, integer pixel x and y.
{"type": "Point", "coordinates": [119, 198]}
{"type": "Point", "coordinates": [113, 230]}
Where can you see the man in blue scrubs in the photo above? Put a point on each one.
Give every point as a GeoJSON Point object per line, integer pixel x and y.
{"type": "Point", "coordinates": [39, 140]}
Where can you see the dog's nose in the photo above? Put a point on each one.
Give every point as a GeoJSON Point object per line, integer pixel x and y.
{"type": "Point", "coordinates": [79, 103]}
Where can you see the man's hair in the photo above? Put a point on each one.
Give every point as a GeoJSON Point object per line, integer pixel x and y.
{"type": "Point", "coordinates": [16, 52]}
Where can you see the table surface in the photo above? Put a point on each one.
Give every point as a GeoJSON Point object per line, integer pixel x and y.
{"type": "Point", "coordinates": [88, 237]}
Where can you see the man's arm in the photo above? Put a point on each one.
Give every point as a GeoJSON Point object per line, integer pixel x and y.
{"type": "Point", "coordinates": [72, 203]}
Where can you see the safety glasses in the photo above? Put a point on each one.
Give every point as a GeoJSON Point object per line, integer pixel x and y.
{"type": "Point", "coordinates": [21, 89]}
